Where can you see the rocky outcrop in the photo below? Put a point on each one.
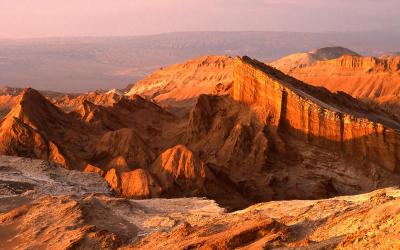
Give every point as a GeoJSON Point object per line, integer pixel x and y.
{"type": "Point", "coordinates": [30, 129]}
{"type": "Point", "coordinates": [89, 168]}
{"type": "Point", "coordinates": [124, 143]}
{"type": "Point", "coordinates": [113, 179]}
{"type": "Point", "coordinates": [137, 184]}
{"type": "Point", "coordinates": [228, 135]}
{"type": "Point", "coordinates": [368, 64]}
{"type": "Point", "coordinates": [179, 170]}
{"type": "Point", "coordinates": [316, 114]}
{"type": "Point", "coordinates": [73, 102]}
{"type": "Point", "coordinates": [96, 116]}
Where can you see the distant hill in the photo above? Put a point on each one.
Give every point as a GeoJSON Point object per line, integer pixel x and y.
{"type": "Point", "coordinates": [83, 64]}
{"type": "Point", "coordinates": [300, 60]}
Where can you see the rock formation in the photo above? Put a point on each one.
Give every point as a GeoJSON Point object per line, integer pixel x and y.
{"type": "Point", "coordinates": [137, 184]}
{"type": "Point", "coordinates": [317, 114]}
{"type": "Point", "coordinates": [374, 80]}
{"type": "Point", "coordinates": [82, 139]}
{"type": "Point", "coordinates": [178, 168]}
{"type": "Point", "coordinates": [125, 143]}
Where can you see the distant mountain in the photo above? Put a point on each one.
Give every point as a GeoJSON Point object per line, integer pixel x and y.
{"type": "Point", "coordinates": [86, 64]}
{"type": "Point", "coordinates": [300, 60]}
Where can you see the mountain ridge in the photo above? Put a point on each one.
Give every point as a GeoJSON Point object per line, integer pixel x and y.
{"type": "Point", "coordinates": [256, 141]}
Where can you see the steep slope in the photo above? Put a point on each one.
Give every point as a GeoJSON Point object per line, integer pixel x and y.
{"type": "Point", "coordinates": [318, 114]}
{"type": "Point", "coordinates": [178, 168]}
{"type": "Point", "coordinates": [301, 60]}
{"type": "Point", "coordinates": [137, 184]}
{"type": "Point", "coordinates": [179, 85]}
{"type": "Point", "coordinates": [372, 79]}
{"type": "Point", "coordinates": [9, 96]}
{"type": "Point", "coordinates": [126, 144]}
{"type": "Point", "coordinates": [36, 128]}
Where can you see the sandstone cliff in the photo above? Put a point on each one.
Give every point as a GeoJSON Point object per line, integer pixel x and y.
{"type": "Point", "coordinates": [328, 119]}
{"type": "Point", "coordinates": [375, 80]}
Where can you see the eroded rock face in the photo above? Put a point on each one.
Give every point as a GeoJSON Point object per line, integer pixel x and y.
{"type": "Point", "coordinates": [93, 139]}
{"type": "Point", "coordinates": [124, 143]}
{"type": "Point", "coordinates": [374, 80]}
{"type": "Point", "coordinates": [178, 169]}
{"type": "Point", "coordinates": [332, 120]}
{"type": "Point", "coordinates": [31, 129]}
{"type": "Point", "coordinates": [228, 135]}
{"type": "Point", "coordinates": [138, 184]}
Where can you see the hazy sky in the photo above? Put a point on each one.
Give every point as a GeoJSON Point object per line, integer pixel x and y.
{"type": "Point", "coordinates": [38, 18]}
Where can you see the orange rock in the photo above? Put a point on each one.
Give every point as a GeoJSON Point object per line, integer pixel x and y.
{"type": "Point", "coordinates": [139, 184]}
{"type": "Point", "coordinates": [179, 169]}
{"type": "Point", "coordinates": [179, 85]}
{"type": "Point", "coordinates": [333, 120]}
{"type": "Point", "coordinates": [124, 145]}
{"type": "Point", "coordinates": [133, 184]}
{"type": "Point", "coordinates": [375, 80]}
{"type": "Point", "coordinates": [113, 179]}
{"type": "Point", "coordinates": [93, 169]}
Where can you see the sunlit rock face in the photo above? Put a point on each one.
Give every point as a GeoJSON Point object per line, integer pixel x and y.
{"type": "Point", "coordinates": [333, 120]}
{"type": "Point", "coordinates": [373, 80]}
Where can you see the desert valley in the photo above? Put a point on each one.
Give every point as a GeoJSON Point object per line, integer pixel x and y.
{"type": "Point", "coordinates": [210, 125]}
{"type": "Point", "coordinates": [217, 152]}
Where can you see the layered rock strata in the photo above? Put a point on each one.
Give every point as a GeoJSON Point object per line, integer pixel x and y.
{"type": "Point", "coordinates": [334, 120]}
